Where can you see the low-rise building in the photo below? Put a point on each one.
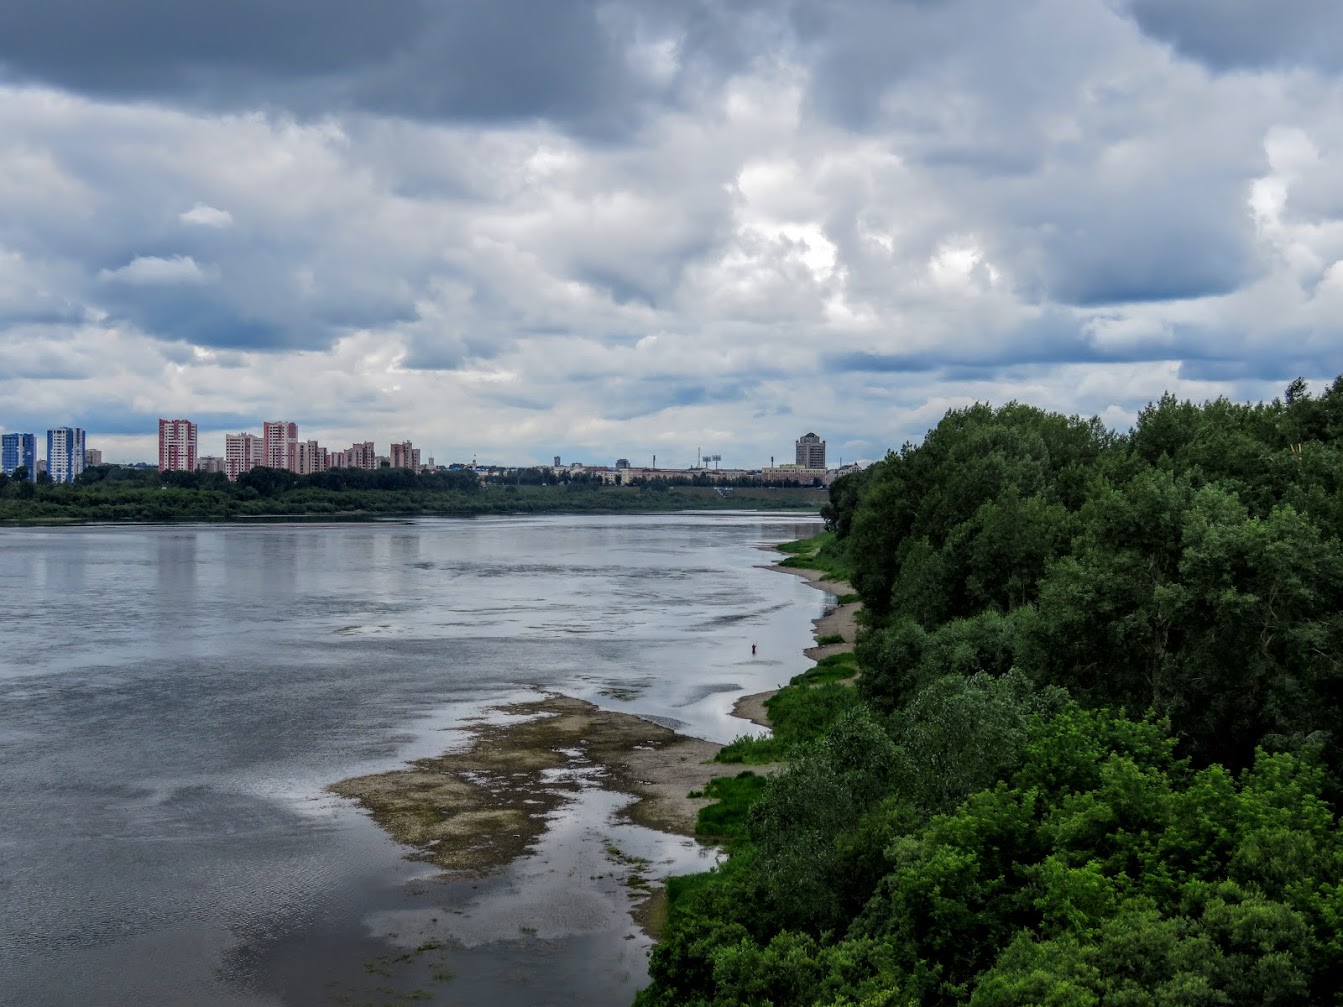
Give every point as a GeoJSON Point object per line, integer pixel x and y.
{"type": "Point", "coordinates": [793, 474]}
{"type": "Point", "coordinates": [832, 474]}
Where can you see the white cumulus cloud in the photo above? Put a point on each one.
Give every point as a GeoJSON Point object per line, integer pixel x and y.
{"type": "Point", "coordinates": [203, 215]}
{"type": "Point", "coordinates": [152, 270]}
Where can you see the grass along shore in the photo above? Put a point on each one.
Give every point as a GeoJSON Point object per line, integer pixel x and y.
{"type": "Point", "coordinates": [798, 712]}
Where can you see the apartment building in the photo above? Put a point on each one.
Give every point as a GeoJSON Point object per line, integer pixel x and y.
{"type": "Point", "coordinates": [404, 456]}
{"type": "Point", "coordinates": [361, 456]}
{"type": "Point", "coordinates": [177, 446]}
{"type": "Point", "coordinates": [311, 457]}
{"type": "Point", "coordinates": [65, 453]}
{"type": "Point", "coordinates": [242, 453]}
{"type": "Point", "coordinates": [280, 445]}
{"type": "Point", "coordinates": [16, 450]}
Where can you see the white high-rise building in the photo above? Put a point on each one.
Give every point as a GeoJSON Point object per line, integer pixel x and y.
{"type": "Point", "coordinates": [65, 454]}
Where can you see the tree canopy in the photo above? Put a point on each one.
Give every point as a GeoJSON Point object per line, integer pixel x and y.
{"type": "Point", "coordinates": [1097, 755]}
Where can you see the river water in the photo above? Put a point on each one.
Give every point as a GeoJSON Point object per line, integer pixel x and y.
{"type": "Point", "coordinates": [174, 700]}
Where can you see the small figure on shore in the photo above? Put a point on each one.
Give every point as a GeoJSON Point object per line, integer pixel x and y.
{"type": "Point", "coordinates": [753, 650]}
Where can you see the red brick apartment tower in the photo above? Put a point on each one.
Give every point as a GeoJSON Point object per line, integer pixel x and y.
{"type": "Point", "coordinates": [177, 446]}
{"type": "Point", "coordinates": [280, 450]}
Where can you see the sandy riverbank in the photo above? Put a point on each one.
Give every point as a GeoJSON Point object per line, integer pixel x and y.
{"type": "Point", "coordinates": [842, 620]}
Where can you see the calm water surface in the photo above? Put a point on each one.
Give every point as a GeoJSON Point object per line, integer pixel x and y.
{"type": "Point", "coordinates": [173, 700]}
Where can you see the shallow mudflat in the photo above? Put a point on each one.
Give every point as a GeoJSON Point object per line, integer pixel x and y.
{"type": "Point", "coordinates": [486, 804]}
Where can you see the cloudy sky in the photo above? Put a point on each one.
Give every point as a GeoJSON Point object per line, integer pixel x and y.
{"type": "Point", "coordinates": [521, 228]}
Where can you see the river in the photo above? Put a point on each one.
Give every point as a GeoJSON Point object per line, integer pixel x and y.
{"type": "Point", "coordinates": [175, 699]}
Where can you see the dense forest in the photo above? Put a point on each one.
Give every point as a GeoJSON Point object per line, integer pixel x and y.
{"type": "Point", "coordinates": [115, 493]}
{"type": "Point", "coordinates": [1092, 756]}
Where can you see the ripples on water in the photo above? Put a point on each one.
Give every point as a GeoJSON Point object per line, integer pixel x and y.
{"type": "Point", "coordinates": [174, 699]}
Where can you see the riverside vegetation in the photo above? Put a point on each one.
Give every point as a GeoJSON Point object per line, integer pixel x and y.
{"type": "Point", "coordinates": [113, 493]}
{"type": "Point", "coordinates": [1092, 756]}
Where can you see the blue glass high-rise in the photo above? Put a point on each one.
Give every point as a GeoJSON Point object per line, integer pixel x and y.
{"type": "Point", "coordinates": [16, 450]}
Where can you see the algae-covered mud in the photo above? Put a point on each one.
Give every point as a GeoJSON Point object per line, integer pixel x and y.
{"type": "Point", "coordinates": [483, 805]}
{"type": "Point", "coordinates": [555, 824]}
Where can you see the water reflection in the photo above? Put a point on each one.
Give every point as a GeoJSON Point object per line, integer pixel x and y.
{"type": "Point", "coordinates": [174, 700]}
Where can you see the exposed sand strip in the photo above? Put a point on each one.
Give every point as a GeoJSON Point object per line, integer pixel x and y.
{"type": "Point", "coordinates": [841, 620]}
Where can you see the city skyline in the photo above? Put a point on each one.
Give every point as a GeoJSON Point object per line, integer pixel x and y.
{"type": "Point", "coordinates": [240, 451]}
{"type": "Point", "coordinates": [663, 226]}
{"type": "Point", "coordinates": [279, 446]}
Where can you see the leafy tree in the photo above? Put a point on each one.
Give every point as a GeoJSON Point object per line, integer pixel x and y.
{"type": "Point", "coordinates": [978, 838]}
{"type": "Point", "coordinates": [811, 881]}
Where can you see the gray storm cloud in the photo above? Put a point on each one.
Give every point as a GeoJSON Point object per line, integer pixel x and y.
{"type": "Point", "coordinates": [520, 227]}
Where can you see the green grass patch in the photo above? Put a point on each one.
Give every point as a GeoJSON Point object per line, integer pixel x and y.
{"type": "Point", "coordinates": [749, 751]}
{"type": "Point", "coordinates": [799, 712]}
{"type": "Point", "coordinates": [850, 599]}
{"type": "Point", "coordinates": [835, 668]}
{"type": "Point", "coordinates": [734, 794]}
{"type": "Point", "coordinates": [820, 552]}
{"type": "Point", "coordinates": [802, 712]}
{"type": "Point", "coordinates": [805, 546]}
{"type": "Point", "coordinates": [829, 638]}
{"type": "Point", "coordinates": [682, 887]}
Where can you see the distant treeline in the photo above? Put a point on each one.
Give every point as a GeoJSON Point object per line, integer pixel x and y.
{"type": "Point", "coordinates": [541, 476]}
{"type": "Point", "coordinates": [114, 493]}
{"type": "Point", "coordinates": [1094, 757]}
